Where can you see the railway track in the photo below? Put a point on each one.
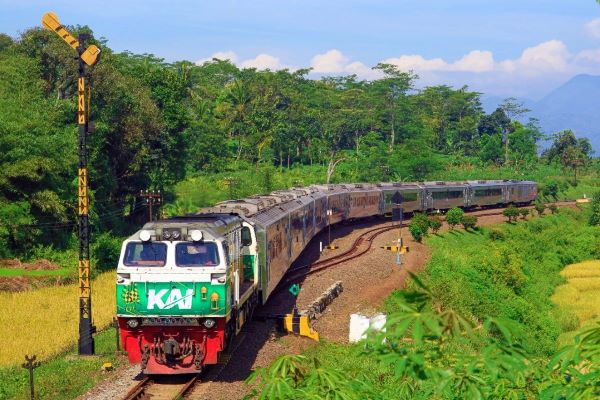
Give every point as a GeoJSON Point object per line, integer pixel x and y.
{"type": "Point", "coordinates": [170, 387]}
{"type": "Point", "coordinates": [178, 387]}
{"type": "Point", "coordinates": [363, 244]}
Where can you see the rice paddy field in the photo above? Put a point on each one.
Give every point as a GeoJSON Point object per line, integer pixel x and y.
{"type": "Point", "coordinates": [45, 321]}
{"type": "Point", "coordinates": [580, 295]}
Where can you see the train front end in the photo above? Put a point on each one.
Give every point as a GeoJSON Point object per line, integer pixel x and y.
{"type": "Point", "coordinates": [172, 291]}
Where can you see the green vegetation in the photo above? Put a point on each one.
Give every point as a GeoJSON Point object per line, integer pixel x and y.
{"type": "Point", "coordinates": [595, 210]}
{"type": "Point", "coordinates": [454, 217]}
{"type": "Point", "coordinates": [477, 323]}
{"type": "Point", "coordinates": [63, 377]}
{"type": "Point", "coordinates": [206, 133]}
{"type": "Point", "coordinates": [512, 213]}
{"type": "Point", "coordinates": [469, 222]}
{"type": "Point", "coordinates": [416, 232]}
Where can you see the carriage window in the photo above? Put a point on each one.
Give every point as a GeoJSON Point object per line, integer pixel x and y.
{"type": "Point", "coordinates": [246, 236]}
{"type": "Point", "coordinates": [439, 195]}
{"type": "Point", "coordinates": [411, 196]}
{"type": "Point", "coordinates": [455, 194]}
{"type": "Point", "coordinates": [192, 254]}
{"type": "Point", "coordinates": [146, 254]}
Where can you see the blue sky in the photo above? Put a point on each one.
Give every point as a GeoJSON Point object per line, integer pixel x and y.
{"type": "Point", "coordinates": [523, 48]}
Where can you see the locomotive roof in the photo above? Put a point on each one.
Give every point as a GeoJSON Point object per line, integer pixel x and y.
{"type": "Point", "coordinates": [215, 224]}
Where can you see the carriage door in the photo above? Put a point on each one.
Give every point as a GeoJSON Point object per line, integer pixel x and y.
{"type": "Point", "coordinates": [428, 200]}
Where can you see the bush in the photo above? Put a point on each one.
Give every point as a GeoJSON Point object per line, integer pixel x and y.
{"type": "Point", "coordinates": [469, 222]}
{"type": "Point", "coordinates": [511, 212]}
{"type": "Point", "coordinates": [595, 216]}
{"type": "Point", "coordinates": [416, 231]}
{"type": "Point", "coordinates": [540, 207]}
{"type": "Point", "coordinates": [524, 212]}
{"type": "Point", "coordinates": [553, 208]}
{"type": "Point", "coordinates": [435, 223]}
{"type": "Point", "coordinates": [496, 234]}
{"type": "Point", "coordinates": [454, 217]}
{"type": "Point", "coordinates": [422, 221]}
{"type": "Point", "coordinates": [106, 250]}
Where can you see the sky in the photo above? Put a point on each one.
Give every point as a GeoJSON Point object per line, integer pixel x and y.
{"type": "Point", "coordinates": [522, 48]}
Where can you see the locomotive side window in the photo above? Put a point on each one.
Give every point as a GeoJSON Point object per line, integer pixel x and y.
{"type": "Point", "coordinates": [196, 254]}
{"type": "Point", "coordinates": [145, 254]}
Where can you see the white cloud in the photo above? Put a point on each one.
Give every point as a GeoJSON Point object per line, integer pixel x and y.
{"type": "Point", "coordinates": [221, 55]}
{"type": "Point", "coordinates": [535, 68]}
{"type": "Point", "coordinates": [333, 61]}
{"type": "Point", "coordinates": [417, 63]}
{"type": "Point", "coordinates": [263, 61]}
{"type": "Point", "coordinates": [475, 61]}
{"type": "Point", "coordinates": [592, 28]}
{"type": "Point", "coordinates": [552, 55]}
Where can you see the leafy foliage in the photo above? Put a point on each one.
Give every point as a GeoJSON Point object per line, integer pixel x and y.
{"type": "Point", "coordinates": [454, 217]}
{"type": "Point", "coordinates": [416, 231]}
{"type": "Point", "coordinates": [435, 223]}
{"type": "Point", "coordinates": [511, 212]}
{"type": "Point", "coordinates": [595, 209]}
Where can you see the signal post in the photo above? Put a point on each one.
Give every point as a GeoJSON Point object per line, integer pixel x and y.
{"type": "Point", "coordinates": [87, 56]}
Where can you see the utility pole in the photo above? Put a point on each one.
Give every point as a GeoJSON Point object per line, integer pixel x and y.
{"type": "Point", "coordinates": [152, 198]}
{"type": "Point", "coordinates": [87, 56]}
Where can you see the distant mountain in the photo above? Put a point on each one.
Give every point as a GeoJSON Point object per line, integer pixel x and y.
{"type": "Point", "coordinates": [574, 105]}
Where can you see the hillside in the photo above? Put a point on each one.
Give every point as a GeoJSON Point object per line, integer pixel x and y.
{"type": "Point", "coordinates": [574, 105]}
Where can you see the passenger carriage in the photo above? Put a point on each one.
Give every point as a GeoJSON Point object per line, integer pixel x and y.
{"type": "Point", "coordinates": [410, 196]}
{"type": "Point", "coordinates": [487, 193]}
{"type": "Point", "coordinates": [445, 195]}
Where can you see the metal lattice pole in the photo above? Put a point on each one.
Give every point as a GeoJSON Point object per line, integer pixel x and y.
{"type": "Point", "coordinates": [86, 329]}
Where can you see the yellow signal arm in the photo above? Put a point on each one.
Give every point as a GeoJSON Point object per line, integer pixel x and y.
{"type": "Point", "coordinates": [89, 55]}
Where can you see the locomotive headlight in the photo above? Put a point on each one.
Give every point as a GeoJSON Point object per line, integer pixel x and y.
{"type": "Point", "coordinates": [167, 235]}
{"type": "Point", "coordinates": [209, 323]}
{"type": "Point", "coordinates": [176, 235]}
{"type": "Point", "coordinates": [133, 323]}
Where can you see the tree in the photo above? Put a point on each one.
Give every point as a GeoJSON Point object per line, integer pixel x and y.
{"type": "Point", "coordinates": [511, 212]}
{"type": "Point", "coordinates": [416, 231]}
{"type": "Point", "coordinates": [513, 109]}
{"type": "Point", "coordinates": [469, 222]}
{"type": "Point", "coordinates": [524, 212]}
{"type": "Point", "coordinates": [422, 221]}
{"type": "Point", "coordinates": [539, 208]}
{"type": "Point", "coordinates": [391, 94]}
{"type": "Point", "coordinates": [435, 222]}
{"type": "Point", "coordinates": [569, 151]}
{"type": "Point", "coordinates": [454, 217]}
{"type": "Point", "coordinates": [595, 210]}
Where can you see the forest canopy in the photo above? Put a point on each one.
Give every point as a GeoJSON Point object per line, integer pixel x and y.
{"type": "Point", "coordinates": [157, 123]}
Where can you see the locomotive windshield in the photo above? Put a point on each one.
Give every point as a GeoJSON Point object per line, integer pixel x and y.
{"type": "Point", "coordinates": [193, 254]}
{"type": "Point", "coordinates": [152, 254]}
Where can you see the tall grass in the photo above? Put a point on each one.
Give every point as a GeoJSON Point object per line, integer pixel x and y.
{"type": "Point", "coordinates": [45, 321]}
{"type": "Point", "coordinates": [580, 295]}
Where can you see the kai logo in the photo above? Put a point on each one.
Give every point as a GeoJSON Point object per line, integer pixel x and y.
{"type": "Point", "coordinates": [174, 299]}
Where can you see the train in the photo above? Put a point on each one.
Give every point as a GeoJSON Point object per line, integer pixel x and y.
{"type": "Point", "coordinates": [187, 285]}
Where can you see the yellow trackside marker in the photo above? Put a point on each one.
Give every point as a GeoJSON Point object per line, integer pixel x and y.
{"type": "Point", "coordinates": [81, 101]}
{"type": "Point", "coordinates": [402, 250]}
{"type": "Point", "coordinates": [83, 197]}
{"type": "Point", "coordinates": [299, 325]}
